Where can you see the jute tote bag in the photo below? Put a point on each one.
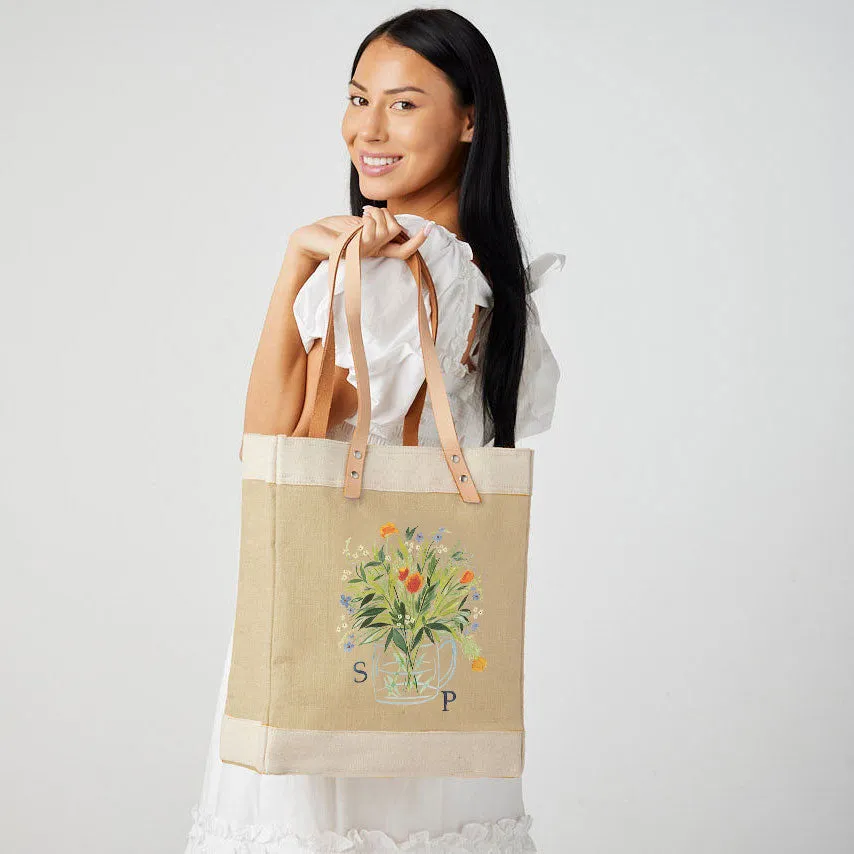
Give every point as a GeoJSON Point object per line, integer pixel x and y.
{"type": "Point", "coordinates": [380, 614]}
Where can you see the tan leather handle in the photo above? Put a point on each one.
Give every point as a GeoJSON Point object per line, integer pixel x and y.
{"type": "Point", "coordinates": [454, 456]}
{"type": "Point", "coordinates": [319, 423]}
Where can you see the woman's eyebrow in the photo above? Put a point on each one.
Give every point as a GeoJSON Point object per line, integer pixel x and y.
{"type": "Point", "coordinates": [390, 91]}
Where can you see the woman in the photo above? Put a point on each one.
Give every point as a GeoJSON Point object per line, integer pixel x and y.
{"type": "Point", "coordinates": [426, 130]}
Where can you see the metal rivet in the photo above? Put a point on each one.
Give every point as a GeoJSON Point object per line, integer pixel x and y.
{"type": "Point", "coordinates": [464, 477]}
{"type": "Point", "coordinates": [354, 473]}
{"type": "Point", "coordinates": [455, 458]}
{"type": "Point", "coordinates": [357, 454]}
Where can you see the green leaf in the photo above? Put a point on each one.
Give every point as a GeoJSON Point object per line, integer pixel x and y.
{"type": "Point", "coordinates": [419, 602]}
{"type": "Point", "coordinates": [429, 634]}
{"type": "Point", "coordinates": [418, 636]}
{"type": "Point", "coordinates": [374, 563]}
{"type": "Point", "coordinates": [387, 639]}
{"type": "Point", "coordinates": [397, 637]}
{"type": "Point", "coordinates": [439, 627]}
{"type": "Point", "coordinates": [370, 612]}
{"type": "Point", "coordinates": [429, 596]}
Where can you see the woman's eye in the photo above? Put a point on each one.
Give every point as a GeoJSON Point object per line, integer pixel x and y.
{"type": "Point", "coordinates": [411, 105]}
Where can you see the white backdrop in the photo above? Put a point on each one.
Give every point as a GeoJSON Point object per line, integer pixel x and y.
{"type": "Point", "coordinates": [690, 632]}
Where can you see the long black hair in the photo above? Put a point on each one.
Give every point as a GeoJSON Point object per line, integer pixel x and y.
{"type": "Point", "coordinates": [456, 47]}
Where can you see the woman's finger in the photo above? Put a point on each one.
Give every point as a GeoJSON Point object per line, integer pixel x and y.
{"type": "Point", "coordinates": [409, 247]}
{"type": "Point", "coordinates": [381, 234]}
{"type": "Point", "coordinates": [394, 227]}
{"type": "Point", "coordinates": [369, 230]}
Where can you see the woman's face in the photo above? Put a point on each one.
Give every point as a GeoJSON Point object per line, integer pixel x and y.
{"type": "Point", "coordinates": [425, 129]}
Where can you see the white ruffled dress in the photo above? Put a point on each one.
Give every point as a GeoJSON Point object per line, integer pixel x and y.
{"type": "Point", "coordinates": [242, 812]}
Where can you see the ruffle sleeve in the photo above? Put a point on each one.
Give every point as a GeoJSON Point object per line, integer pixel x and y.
{"type": "Point", "coordinates": [540, 371]}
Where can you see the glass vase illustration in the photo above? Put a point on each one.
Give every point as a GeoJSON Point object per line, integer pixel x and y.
{"type": "Point", "coordinates": [415, 678]}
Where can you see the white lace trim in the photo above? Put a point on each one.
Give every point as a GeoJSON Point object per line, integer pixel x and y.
{"type": "Point", "coordinates": [211, 834]}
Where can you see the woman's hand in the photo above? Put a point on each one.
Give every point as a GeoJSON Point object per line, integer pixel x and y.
{"type": "Point", "coordinates": [379, 235]}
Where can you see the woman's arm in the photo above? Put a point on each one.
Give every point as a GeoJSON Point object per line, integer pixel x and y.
{"type": "Point", "coordinates": [277, 383]}
{"type": "Point", "coordinates": [277, 401]}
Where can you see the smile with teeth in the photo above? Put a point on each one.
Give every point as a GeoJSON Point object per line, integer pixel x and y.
{"type": "Point", "coordinates": [379, 161]}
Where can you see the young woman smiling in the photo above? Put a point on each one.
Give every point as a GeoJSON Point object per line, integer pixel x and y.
{"type": "Point", "coordinates": [426, 130]}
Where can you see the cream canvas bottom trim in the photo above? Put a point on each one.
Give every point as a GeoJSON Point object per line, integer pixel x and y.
{"type": "Point", "coordinates": [488, 753]}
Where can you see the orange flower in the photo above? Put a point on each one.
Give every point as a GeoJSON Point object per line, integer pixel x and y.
{"type": "Point", "coordinates": [478, 663]}
{"type": "Point", "coordinates": [467, 576]}
{"type": "Point", "coordinates": [388, 528]}
{"type": "Point", "coordinates": [402, 573]}
{"type": "Point", "coordinates": [413, 583]}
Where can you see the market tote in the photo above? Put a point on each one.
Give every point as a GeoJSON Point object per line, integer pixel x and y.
{"type": "Point", "coordinates": [380, 613]}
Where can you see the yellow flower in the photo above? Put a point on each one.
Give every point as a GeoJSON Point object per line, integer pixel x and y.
{"type": "Point", "coordinates": [478, 663]}
{"type": "Point", "coordinates": [388, 528]}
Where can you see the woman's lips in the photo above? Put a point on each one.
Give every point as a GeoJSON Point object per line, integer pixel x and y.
{"type": "Point", "coordinates": [374, 171]}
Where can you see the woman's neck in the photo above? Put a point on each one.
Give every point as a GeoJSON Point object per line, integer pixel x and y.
{"type": "Point", "coordinates": [445, 212]}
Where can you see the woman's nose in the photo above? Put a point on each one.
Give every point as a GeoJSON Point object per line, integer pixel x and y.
{"type": "Point", "coordinates": [372, 122]}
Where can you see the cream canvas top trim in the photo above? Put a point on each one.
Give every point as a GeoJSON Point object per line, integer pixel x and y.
{"type": "Point", "coordinates": [309, 461]}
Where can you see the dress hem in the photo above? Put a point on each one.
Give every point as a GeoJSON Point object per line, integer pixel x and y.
{"type": "Point", "coordinates": [212, 834]}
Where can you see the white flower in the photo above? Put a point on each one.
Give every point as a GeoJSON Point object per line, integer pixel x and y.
{"type": "Point", "coordinates": [338, 628]}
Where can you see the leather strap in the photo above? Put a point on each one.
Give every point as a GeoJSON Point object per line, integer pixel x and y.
{"type": "Point", "coordinates": [319, 424]}
{"type": "Point", "coordinates": [454, 457]}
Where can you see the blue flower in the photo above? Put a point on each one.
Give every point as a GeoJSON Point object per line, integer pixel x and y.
{"type": "Point", "coordinates": [351, 635]}
{"type": "Point", "coordinates": [351, 609]}
{"type": "Point", "coordinates": [475, 595]}
{"type": "Point", "coordinates": [348, 646]}
{"type": "Point", "coordinates": [419, 537]}
{"type": "Point", "coordinates": [474, 626]}
{"type": "Point", "coordinates": [345, 600]}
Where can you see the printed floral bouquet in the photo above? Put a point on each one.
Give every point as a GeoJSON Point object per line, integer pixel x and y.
{"type": "Point", "coordinates": [410, 592]}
